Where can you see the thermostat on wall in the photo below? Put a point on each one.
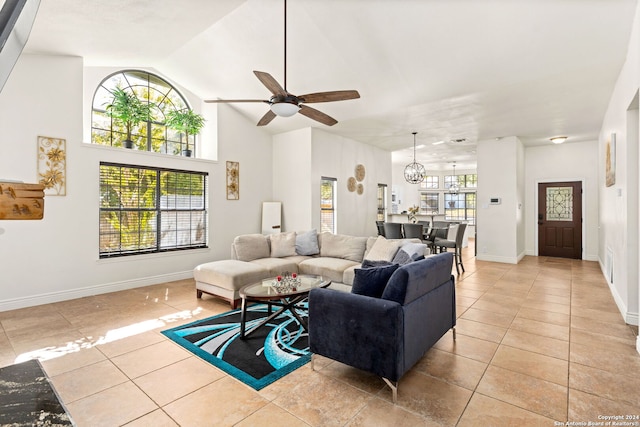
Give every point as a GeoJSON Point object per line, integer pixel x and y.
{"type": "Point", "coordinates": [495, 200]}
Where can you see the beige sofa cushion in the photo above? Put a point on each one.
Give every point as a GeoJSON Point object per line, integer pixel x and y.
{"type": "Point", "coordinates": [330, 268]}
{"type": "Point", "coordinates": [283, 244]}
{"type": "Point", "coordinates": [229, 274]}
{"type": "Point", "coordinates": [277, 266]}
{"type": "Point", "coordinates": [342, 246]}
{"type": "Point", "coordinates": [248, 247]}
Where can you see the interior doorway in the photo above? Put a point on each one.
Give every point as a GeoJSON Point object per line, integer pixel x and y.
{"type": "Point", "coordinates": [560, 219]}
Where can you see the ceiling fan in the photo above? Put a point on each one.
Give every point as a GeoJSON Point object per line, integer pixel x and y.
{"type": "Point", "coordinates": [285, 104]}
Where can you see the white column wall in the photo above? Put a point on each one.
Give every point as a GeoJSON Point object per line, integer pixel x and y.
{"type": "Point", "coordinates": [498, 176]}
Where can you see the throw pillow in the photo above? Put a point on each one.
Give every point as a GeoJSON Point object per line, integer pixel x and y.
{"type": "Point", "coordinates": [283, 244]}
{"type": "Point", "coordinates": [383, 249]}
{"type": "Point", "coordinates": [307, 243]}
{"type": "Point", "coordinates": [251, 246]}
{"type": "Point", "coordinates": [409, 252]}
{"type": "Point", "coordinates": [367, 263]}
{"type": "Point", "coordinates": [372, 281]}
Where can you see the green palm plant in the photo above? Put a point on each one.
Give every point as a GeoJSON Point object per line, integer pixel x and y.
{"type": "Point", "coordinates": [185, 121]}
{"type": "Point", "coordinates": [129, 109]}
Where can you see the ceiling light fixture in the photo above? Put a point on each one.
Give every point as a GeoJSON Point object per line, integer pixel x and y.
{"type": "Point", "coordinates": [437, 143]}
{"type": "Point", "coordinates": [414, 172]}
{"type": "Point", "coordinates": [558, 139]}
{"type": "Point", "coordinates": [454, 188]}
{"type": "Point", "coordinates": [285, 109]}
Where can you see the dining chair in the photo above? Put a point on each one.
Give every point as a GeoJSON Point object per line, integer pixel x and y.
{"type": "Point", "coordinates": [440, 230]}
{"type": "Point", "coordinates": [393, 230]}
{"type": "Point", "coordinates": [413, 231]}
{"type": "Point", "coordinates": [425, 228]}
{"type": "Point", "coordinates": [380, 227]}
{"type": "Point", "coordinates": [456, 245]}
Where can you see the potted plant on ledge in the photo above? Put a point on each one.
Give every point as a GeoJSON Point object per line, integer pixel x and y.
{"type": "Point", "coordinates": [129, 109]}
{"type": "Point", "coordinates": [187, 122]}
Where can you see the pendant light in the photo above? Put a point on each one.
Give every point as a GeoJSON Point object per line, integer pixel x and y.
{"type": "Point", "coordinates": [414, 172]}
{"type": "Point", "coordinates": [454, 188]}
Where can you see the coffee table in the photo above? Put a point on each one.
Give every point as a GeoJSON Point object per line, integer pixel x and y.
{"type": "Point", "coordinates": [263, 291]}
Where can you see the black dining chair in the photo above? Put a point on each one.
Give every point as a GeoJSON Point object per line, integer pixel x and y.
{"type": "Point", "coordinates": [413, 231]}
{"type": "Point", "coordinates": [456, 245]}
{"type": "Point", "coordinates": [380, 227]}
{"type": "Point", "coordinates": [393, 230]}
{"type": "Point", "coordinates": [440, 230]}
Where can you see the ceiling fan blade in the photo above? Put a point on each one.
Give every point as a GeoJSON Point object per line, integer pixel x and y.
{"type": "Point", "coordinates": [316, 115]}
{"type": "Point", "coordinates": [271, 83]}
{"type": "Point", "coordinates": [234, 100]}
{"type": "Point", "coordinates": [266, 119]}
{"type": "Point", "coordinates": [336, 95]}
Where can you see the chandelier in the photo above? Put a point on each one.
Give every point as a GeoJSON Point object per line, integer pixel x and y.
{"type": "Point", "coordinates": [454, 188]}
{"type": "Point", "coordinates": [414, 172]}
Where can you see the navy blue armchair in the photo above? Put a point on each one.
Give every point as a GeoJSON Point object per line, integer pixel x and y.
{"type": "Point", "coordinates": [388, 335]}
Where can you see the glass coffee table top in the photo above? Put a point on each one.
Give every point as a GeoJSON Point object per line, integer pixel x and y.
{"type": "Point", "coordinates": [290, 300]}
{"type": "Point", "coordinates": [265, 290]}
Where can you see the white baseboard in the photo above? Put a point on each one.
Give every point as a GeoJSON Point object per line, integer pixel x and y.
{"type": "Point", "coordinates": [47, 298]}
{"type": "Point", "coordinates": [493, 258]}
{"type": "Point", "coordinates": [630, 318]}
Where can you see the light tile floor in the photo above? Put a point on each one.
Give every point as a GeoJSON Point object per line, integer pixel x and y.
{"type": "Point", "coordinates": [537, 342]}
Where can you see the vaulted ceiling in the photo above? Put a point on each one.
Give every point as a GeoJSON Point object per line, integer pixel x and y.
{"type": "Point", "coordinates": [451, 70]}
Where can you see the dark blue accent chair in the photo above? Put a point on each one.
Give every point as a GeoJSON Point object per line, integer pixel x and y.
{"type": "Point", "coordinates": [388, 335]}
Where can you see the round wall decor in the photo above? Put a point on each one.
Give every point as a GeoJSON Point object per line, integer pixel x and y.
{"type": "Point", "coordinates": [351, 184]}
{"type": "Point", "coordinates": [360, 171]}
{"type": "Point", "coordinates": [360, 189]}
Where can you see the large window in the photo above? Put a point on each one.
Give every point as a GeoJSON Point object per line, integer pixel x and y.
{"type": "Point", "coordinates": [429, 203]}
{"type": "Point", "coordinates": [151, 135]}
{"type": "Point", "coordinates": [464, 181]}
{"type": "Point", "coordinates": [328, 205]}
{"type": "Point", "coordinates": [145, 210]}
{"type": "Point", "coordinates": [430, 182]}
{"type": "Point", "coordinates": [460, 207]}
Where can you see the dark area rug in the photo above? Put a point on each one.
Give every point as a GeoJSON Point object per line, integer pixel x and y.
{"type": "Point", "coordinates": [269, 353]}
{"type": "Point", "coordinates": [28, 399]}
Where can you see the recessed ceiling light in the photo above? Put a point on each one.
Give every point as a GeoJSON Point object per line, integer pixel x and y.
{"type": "Point", "coordinates": [437, 142]}
{"type": "Point", "coordinates": [419, 146]}
{"type": "Point", "coordinates": [558, 139]}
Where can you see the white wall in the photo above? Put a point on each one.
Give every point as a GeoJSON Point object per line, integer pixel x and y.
{"type": "Point", "coordinates": [335, 156]}
{"type": "Point", "coordinates": [499, 171]}
{"type": "Point", "coordinates": [615, 202]}
{"type": "Point", "coordinates": [57, 258]}
{"type": "Point", "coordinates": [563, 162]}
{"type": "Point", "coordinates": [292, 178]}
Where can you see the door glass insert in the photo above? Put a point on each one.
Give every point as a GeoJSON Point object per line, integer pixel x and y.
{"type": "Point", "coordinates": [559, 203]}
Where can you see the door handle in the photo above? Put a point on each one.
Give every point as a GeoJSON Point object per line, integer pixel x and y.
{"type": "Point", "coordinates": [540, 223]}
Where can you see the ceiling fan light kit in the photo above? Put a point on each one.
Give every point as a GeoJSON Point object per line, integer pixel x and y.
{"type": "Point", "coordinates": [285, 109]}
{"type": "Point", "coordinates": [284, 103]}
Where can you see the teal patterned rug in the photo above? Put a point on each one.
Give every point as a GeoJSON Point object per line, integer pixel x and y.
{"type": "Point", "coordinates": [269, 353]}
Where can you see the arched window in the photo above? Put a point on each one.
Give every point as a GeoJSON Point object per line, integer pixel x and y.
{"type": "Point", "coordinates": [151, 135]}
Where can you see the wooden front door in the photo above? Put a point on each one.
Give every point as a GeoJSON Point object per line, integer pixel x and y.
{"type": "Point", "coordinates": [560, 219]}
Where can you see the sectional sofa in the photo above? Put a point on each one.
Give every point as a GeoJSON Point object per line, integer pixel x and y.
{"type": "Point", "coordinates": [335, 256]}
